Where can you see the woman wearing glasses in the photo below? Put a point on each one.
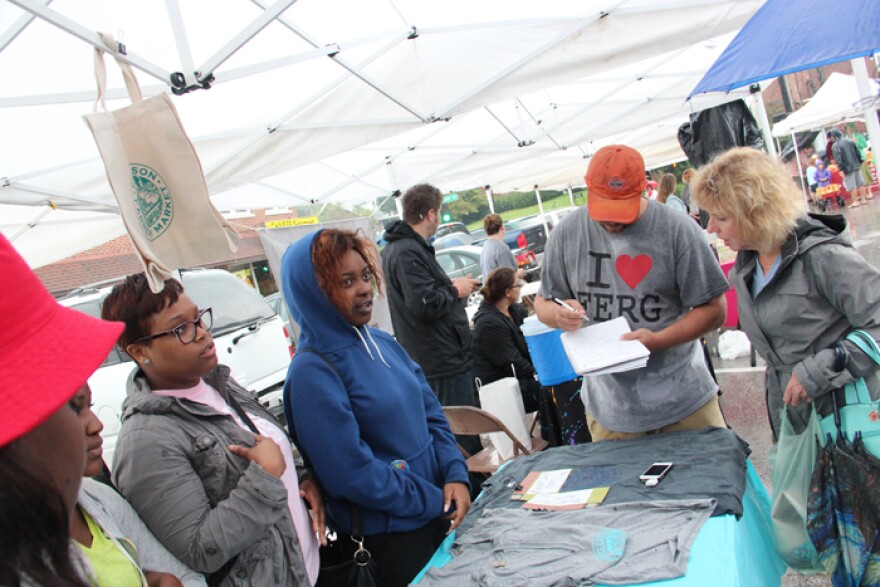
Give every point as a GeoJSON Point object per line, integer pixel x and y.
{"type": "Point", "coordinates": [499, 345]}
{"type": "Point", "coordinates": [203, 463]}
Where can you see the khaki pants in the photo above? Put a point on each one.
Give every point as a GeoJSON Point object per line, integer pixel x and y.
{"type": "Point", "coordinates": [709, 414]}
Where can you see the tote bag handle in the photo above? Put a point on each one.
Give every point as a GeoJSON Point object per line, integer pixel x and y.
{"type": "Point", "coordinates": [131, 83]}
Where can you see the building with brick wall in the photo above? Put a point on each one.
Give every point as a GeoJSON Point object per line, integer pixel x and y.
{"type": "Point", "coordinates": [116, 258]}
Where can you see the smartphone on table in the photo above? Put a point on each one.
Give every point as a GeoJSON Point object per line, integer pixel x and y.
{"type": "Point", "coordinates": [655, 473]}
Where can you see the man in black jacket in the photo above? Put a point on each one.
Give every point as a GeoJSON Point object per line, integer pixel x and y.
{"type": "Point", "coordinates": [849, 161]}
{"type": "Point", "coordinates": [427, 308]}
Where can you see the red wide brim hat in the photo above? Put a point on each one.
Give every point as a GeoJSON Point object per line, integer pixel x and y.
{"type": "Point", "coordinates": [47, 351]}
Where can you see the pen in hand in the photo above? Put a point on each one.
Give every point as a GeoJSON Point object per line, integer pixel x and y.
{"type": "Point", "coordinates": [568, 306]}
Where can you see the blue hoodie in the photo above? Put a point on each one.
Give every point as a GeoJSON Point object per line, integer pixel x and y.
{"type": "Point", "coordinates": [378, 409]}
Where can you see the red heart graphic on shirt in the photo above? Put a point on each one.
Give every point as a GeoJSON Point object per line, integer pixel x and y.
{"type": "Point", "coordinates": [633, 271]}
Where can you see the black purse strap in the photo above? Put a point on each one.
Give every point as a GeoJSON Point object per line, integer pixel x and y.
{"type": "Point", "coordinates": [233, 403]}
{"type": "Point", "coordinates": [357, 526]}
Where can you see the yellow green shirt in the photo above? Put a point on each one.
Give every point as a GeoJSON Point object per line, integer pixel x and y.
{"type": "Point", "coordinates": [112, 566]}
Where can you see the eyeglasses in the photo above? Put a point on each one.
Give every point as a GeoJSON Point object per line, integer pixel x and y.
{"type": "Point", "coordinates": [186, 331]}
{"type": "Point", "coordinates": [518, 285]}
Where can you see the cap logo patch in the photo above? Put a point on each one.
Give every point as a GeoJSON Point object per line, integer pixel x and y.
{"type": "Point", "coordinates": [615, 184]}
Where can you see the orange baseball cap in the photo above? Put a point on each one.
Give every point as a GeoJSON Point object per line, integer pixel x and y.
{"type": "Point", "coordinates": [616, 180]}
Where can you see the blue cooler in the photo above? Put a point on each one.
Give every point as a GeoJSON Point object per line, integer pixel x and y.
{"type": "Point", "coordinates": [548, 356]}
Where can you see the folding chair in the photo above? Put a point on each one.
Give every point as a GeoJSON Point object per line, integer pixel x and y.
{"type": "Point", "coordinates": [467, 420]}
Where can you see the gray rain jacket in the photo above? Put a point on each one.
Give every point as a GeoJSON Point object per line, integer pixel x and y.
{"type": "Point", "coordinates": [203, 503]}
{"type": "Point", "coordinates": [823, 290]}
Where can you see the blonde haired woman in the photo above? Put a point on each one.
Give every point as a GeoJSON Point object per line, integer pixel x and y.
{"type": "Point", "coordinates": [800, 284]}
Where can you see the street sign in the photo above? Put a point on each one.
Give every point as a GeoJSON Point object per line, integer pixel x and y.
{"type": "Point", "coordinates": [450, 198]}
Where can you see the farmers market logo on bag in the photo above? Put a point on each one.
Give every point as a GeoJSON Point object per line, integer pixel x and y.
{"type": "Point", "coordinates": [155, 210]}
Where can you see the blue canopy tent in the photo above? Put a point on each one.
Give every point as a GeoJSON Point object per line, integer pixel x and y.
{"type": "Point", "coordinates": [784, 36]}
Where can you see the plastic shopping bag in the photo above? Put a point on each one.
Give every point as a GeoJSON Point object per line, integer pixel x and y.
{"type": "Point", "coordinates": [503, 400]}
{"type": "Point", "coordinates": [792, 461]}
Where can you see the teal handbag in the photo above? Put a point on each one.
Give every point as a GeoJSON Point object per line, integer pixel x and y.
{"type": "Point", "coordinates": [860, 414]}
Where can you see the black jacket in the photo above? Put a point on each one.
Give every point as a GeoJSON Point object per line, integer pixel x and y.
{"type": "Point", "coordinates": [499, 343]}
{"type": "Point", "coordinates": [429, 319]}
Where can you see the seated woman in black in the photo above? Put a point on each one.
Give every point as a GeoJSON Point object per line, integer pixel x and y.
{"type": "Point", "coordinates": [499, 345]}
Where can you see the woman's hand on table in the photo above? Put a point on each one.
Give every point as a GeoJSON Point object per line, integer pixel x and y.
{"type": "Point", "coordinates": [795, 392]}
{"type": "Point", "coordinates": [460, 495]}
{"type": "Point", "coordinates": [311, 493]}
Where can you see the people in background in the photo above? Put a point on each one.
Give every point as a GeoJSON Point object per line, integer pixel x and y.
{"type": "Point", "coordinates": [823, 175]}
{"type": "Point", "coordinates": [203, 463]}
{"type": "Point", "coordinates": [666, 194]}
{"type": "Point", "coordinates": [46, 354]}
{"type": "Point", "coordinates": [499, 345]}
{"type": "Point", "coordinates": [495, 252]}
{"type": "Point", "coordinates": [363, 412]}
{"type": "Point", "coordinates": [120, 549]}
{"type": "Point", "coordinates": [606, 261]}
{"type": "Point", "coordinates": [801, 286]}
{"type": "Point", "coordinates": [849, 161]}
{"type": "Point", "coordinates": [427, 308]}
{"type": "Point", "coordinates": [810, 175]}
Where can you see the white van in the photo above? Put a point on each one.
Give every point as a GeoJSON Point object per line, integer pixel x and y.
{"type": "Point", "coordinates": [248, 334]}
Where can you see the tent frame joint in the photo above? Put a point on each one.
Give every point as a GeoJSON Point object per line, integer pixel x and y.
{"type": "Point", "coordinates": [179, 86]}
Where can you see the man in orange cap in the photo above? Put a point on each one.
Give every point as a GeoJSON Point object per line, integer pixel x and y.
{"type": "Point", "coordinates": [625, 255]}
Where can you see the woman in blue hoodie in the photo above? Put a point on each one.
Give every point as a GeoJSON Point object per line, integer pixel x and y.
{"type": "Point", "coordinates": [363, 413]}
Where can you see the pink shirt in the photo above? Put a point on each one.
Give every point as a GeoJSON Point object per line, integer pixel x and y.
{"type": "Point", "coordinates": [308, 541]}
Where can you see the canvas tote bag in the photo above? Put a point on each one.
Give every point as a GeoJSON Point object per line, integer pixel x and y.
{"type": "Point", "coordinates": [157, 179]}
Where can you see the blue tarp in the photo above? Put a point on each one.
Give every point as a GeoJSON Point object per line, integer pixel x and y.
{"type": "Point", "coordinates": [786, 36]}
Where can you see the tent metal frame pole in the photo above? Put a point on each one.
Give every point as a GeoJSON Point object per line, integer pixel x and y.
{"type": "Point", "coordinates": [860, 71]}
{"type": "Point", "coordinates": [530, 56]}
{"type": "Point", "coordinates": [351, 69]}
{"type": "Point", "coordinates": [92, 38]}
{"type": "Point", "coordinates": [286, 192]}
{"type": "Point", "coordinates": [761, 111]}
{"type": "Point", "coordinates": [32, 223]}
{"type": "Point", "coordinates": [797, 158]}
{"type": "Point", "coordinates": [54, 195]}
{"type": "Point", "coordinates": [490, 197]}
{"type": "Point", "coordinates": [337, 171]}
{"type": "Point", "coordinates": [15, 28]}
{"type": "Point", "coordinates": [243, 37]}
{"type": "Point", "coordinates": [570, 196]}
{"type": "Point", "coordinates": [302, 106]}
{"type": "Point", "coordinates": [182, 41]}
{"type": "Point", "coordinates": [388, 160]}
{"type": "Point", "coordinates": [541, 210]}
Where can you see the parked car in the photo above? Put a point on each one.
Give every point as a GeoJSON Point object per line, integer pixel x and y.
{"type": "Point", "coordinates": [248, 335]}
{"type": "Point", "coordinates": [452, 239]}
{"type": "Point", "coordinates": [463, 261]}
{"type": "Point", "coordinates": [291, 330]}
{"type": "Point", "coordinates": [528, 232]}
{"type": "Point", "coordinates": [451, 227]}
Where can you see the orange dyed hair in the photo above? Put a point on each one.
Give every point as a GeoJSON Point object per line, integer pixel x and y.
{"type": "Point", "coordinates": [327, 252]}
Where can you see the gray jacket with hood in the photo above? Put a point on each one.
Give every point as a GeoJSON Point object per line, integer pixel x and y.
{"type": "Point", "coordinates": [205, 504]}
{"type": "Point", "coordinates": [823, 290]}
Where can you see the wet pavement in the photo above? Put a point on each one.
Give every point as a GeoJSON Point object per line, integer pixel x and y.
{"type": "Point", "coordinates": [742, 386]}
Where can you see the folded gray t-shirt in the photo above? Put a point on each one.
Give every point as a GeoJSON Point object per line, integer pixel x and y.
{"type": "Point", "coordinates": [617, 544]}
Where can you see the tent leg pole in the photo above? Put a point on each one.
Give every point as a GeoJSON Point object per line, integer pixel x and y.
{"type": "Point", "coordinates": [860, 70]}
{"type": "Point", "coordinates": [758, 103]}
{"type": "Point", "coordinates": [541, 209]}
{"type": "Point", "coordinates": [571, 196]}
{"type": "Point", "coordinates": [491, 199]}
{"type": "Point", "coordinates": [797, 158]}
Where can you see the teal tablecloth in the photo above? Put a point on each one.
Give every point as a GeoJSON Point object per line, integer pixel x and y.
{"type": "Point", "coordinates": [726, 553]}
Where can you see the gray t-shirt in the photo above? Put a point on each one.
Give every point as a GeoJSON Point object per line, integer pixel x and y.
{"type": "Point", "coordinates": [652, 273]}
{"type": "Point", "coordinates": [496, 254]}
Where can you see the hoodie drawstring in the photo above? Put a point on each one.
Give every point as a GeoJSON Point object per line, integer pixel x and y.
{"type": "Point", "coordinates": [367, 347]}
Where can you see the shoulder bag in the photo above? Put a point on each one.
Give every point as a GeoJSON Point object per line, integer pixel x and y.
{"type": "Point", "coordinates": [859, 414]}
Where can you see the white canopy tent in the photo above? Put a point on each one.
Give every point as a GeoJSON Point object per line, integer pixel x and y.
{"type": "Point", "coordinates": [345, 101]}
{"type": "Point", "coordinates": [838, 100]}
